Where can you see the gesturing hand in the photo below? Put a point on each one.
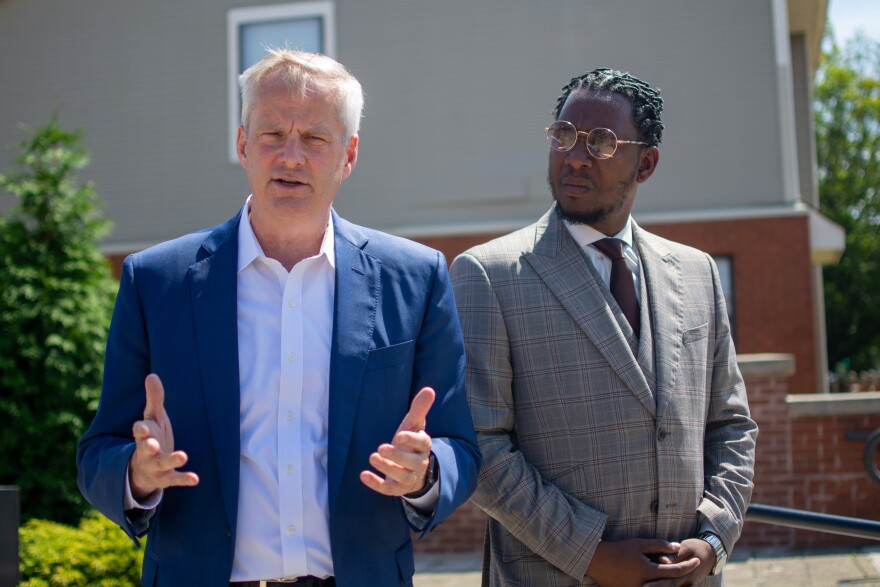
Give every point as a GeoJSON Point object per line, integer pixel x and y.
{"type": "Point", "coordinates": [154, 462]}
{"type": "Point", "coordinates": [404, 462]}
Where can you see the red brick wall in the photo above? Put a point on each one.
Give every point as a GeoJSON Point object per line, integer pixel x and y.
{"type": "Point", "coordinates": [773, 287]}
{"type": "Point", "coordinates": [808, 464]}
{"type": "Point", "coordinates": [452, 246]}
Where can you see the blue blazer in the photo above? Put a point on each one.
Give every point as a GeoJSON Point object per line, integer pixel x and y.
{"type": "Point", "coordinates": [395, 330]}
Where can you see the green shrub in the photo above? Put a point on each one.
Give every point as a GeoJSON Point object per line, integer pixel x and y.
{"type": "Point", "coordinates": [95, 553]}
{"type": "Point", "coordinates": [56, 298]}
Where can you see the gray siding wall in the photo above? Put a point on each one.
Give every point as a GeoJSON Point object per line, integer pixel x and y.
{"type": "Point", "coordinates": [458, 94]}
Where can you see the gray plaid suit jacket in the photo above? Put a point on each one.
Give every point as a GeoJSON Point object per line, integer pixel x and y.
{"type": "Point", "coordinates": [582, 438]}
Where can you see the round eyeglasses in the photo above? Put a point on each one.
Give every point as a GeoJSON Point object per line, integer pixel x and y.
{"type": "Point", "coordinates": [601, 142]}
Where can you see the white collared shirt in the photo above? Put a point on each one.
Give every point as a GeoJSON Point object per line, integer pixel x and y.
{"type": "Point", "coordinates": [285, 329]}
{"type": "Point", "coordinates": [585, 236]}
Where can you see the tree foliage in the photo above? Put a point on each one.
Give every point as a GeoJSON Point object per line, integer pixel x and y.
{"type": "Point", "coordinates": [847, 116]}
{"type": "Point", "coordinates": [56, 297]}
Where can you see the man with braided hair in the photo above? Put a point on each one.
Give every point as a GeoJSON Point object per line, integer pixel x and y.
{"type": "Point", "coordinates": [612, 418]}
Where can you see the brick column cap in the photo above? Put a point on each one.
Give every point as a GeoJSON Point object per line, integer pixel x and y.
{"type": "Point", "coordinates": [766, 365]}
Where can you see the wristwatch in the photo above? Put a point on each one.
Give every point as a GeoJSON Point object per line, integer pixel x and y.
{"type": "Point", "coordinates": [432, 473]}
{"type": "Point", "coordinates": [718, 546]}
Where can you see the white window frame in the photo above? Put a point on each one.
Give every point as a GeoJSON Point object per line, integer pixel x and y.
{"type": "Point", "coordinates": [237, 17]}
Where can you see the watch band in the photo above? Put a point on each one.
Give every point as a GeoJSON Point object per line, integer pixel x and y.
{"type": "Point", "coordinates": [431, 474]}
{"type": "Point", "coordinates": [718, 546]}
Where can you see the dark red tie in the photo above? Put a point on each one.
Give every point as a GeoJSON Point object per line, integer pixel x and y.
{"type": "Point", "coordinates": [622, 287]}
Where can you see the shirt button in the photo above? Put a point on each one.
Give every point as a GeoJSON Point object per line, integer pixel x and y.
{"type": "Point", "coordinates": [291, 357]}
{"type": "Point", "coordinates": [292, 303]}
{"type": "Point", "coordinates": [291, 530]}
{"type": "Point", "coordinates": [289, 416]}
{"type": "Point", "coordinates": [289, 469]}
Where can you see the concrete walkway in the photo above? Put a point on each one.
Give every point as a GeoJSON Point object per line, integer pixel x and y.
{"type": "Point", "coordinates": [765, 567]}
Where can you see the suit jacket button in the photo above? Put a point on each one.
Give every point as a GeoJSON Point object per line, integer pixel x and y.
{"type": "Point", "coordinates": [654, 507]}
{"type": "Point", "coordinates": [662, 434]}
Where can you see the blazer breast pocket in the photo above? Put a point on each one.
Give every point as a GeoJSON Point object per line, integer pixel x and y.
{"type": "Point", "coordinates": [388, 380]}
{"type": "Point", "coordinates": [391, 356]}
{"type": "Point", "coordinates": [696, 333]}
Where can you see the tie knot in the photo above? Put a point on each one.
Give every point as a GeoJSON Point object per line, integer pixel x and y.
{"type": "Point", "coordinates": [610, 247]}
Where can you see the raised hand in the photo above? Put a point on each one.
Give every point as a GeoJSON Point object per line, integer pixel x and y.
{"type": "Point", "coordinates": [154, 463]}
{"type": "Point", "coordinates": [404, 461]}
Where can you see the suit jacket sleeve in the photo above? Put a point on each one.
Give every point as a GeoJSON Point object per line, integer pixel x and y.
{"type": "Point", "coordinates": [729, 453]}
{"type": "Point", "coordinates": [106, 447]}
{"type": "Point", "coordinates": [439, 363]}
{"type": "Point", "coordinates": [550, 522]}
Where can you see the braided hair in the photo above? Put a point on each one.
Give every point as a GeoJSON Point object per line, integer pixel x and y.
{"type": "Point", "coordinates": [647, 105]}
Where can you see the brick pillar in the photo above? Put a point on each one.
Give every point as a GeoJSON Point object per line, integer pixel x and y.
{"type": "Point", "coordinates": [766, 378]}
{"type": "Point", "coordinates": [803, 458]}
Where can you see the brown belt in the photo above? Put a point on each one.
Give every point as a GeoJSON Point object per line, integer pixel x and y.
{"type": "Point", "coordinates": [299, 582]}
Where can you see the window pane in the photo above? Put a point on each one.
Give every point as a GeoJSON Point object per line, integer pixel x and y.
{"type": "Point", "coordinates": [295, 33]}
{"type": "Point", "coordinates": [725, 273]}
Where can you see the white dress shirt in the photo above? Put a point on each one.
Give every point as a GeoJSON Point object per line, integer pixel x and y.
{"type": "Point", "coordinates": [585, 236]}
{"type": "Point", "coordinates": [285, 328]}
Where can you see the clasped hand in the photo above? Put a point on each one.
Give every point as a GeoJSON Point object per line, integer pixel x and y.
{"type": "Point", "coordinates": [629, 563]}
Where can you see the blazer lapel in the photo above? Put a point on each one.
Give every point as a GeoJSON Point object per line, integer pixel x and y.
{"type": "Point", "coordinates": [213, 288]}
{"type": "Point", "coordinates": [354, 317]}
{"type": "Point", "coordinates": [561, 265]}
{"type": "Point", "coordinates": [665, 286]}
{"type": "Point", "coordinates": [646, 340]}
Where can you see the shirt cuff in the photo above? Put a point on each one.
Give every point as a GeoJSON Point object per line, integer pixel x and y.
{"type": "Point", "coordinates": [427, 502]}
{"type": "Point", "coordinates": [148, 503]}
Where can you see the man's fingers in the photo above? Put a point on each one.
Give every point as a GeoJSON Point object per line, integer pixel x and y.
{"type": "Point", "coordinates": [154, 470]}
{"type": "Point", "coordinates": [678, 569]}
{"type": "Point", "coordinates": [389, 486]}
{"type": "Point", "coordinates": [155, 408]}
{"type": "Point", "coordinates": [188, 479]}
{"type": "Point", "coordinates": [410, 450]}
{"type": "Point", "coordinates": [385, 486]}
{"type": "Point", "coordinates": [141, 430]}
{"type": "Point", "coordinates": [416, 442]}
{"type": "Point", "coordinates": [176, 479]}
{"type": "Point", "coordinates": [375, 482]}
{"type": "Point", "coordinates": [417, 415]}
{"type": "Point", "coordinates": [655, 546]}
{"type": "Point", "coordinates": [391, 469]}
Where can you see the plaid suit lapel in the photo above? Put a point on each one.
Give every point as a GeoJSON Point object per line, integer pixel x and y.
{"type": "Point", "coordinates": [561, 265]}
{"type": "Point", "coordinates": [665, 286]}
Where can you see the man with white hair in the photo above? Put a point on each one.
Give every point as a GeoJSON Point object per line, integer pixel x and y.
{"type": "Point", "coordinates": [292, 351]}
